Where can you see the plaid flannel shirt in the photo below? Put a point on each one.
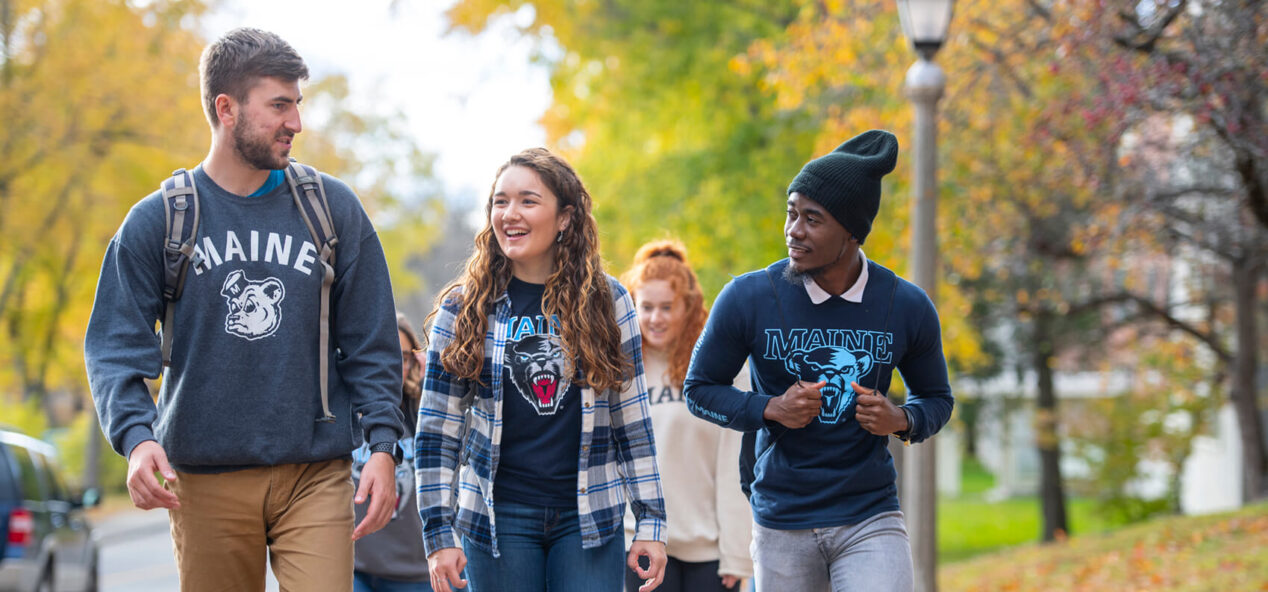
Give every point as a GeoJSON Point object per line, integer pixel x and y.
{"type": "Point", "coordinates": [457, 444]}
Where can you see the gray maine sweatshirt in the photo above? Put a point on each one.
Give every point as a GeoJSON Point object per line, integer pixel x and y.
{"type": "Point", "coordinates": [242, 389]}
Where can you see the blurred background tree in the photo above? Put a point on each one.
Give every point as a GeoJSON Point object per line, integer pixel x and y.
{"type": "Point", "coordinates": [1199, 86]}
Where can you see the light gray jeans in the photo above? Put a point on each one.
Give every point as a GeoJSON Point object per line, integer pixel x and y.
{"type": "Point", "coordinates": [874, 555]}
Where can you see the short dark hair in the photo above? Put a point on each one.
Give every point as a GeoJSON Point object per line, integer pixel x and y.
{"type": "Point", "coordinates": [232, 64]}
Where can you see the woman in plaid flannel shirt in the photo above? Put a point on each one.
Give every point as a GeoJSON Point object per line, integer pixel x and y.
{"type": "Point", "coordinates": [534, 423]}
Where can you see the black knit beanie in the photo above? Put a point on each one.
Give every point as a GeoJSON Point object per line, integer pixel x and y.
{"type": "Point", "coordinates": [847, 181]}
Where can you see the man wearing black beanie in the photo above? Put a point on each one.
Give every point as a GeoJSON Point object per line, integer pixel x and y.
{"type": "Point", "coordinates": [823, 331]}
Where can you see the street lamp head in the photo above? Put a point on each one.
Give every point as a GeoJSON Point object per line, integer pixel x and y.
{"type": "Point", "coordinates": [925, 24]}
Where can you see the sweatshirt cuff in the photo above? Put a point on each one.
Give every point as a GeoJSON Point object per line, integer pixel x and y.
{"type": "Point", "coordinates": [382, 435]}
{"type": "Point", "coordinates": [753, 411]}
{"type": "Point", "coordinates": [740, 566]}
{"type": "Point", "coordinates": [133, 436]}
{"type": "Point", "coordinates": [913, 433]}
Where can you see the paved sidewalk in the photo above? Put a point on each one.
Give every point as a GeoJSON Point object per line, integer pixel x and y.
{"type": "Point", "coordinates": [128, 523]}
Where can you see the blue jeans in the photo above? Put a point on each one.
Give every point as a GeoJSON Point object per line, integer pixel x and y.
{"type": "Point", "coordinates": [873, 555]}
{"type": "Point", "coordinates": [364, 582]}
{"type": "Point", "coordinates": [541, 551]}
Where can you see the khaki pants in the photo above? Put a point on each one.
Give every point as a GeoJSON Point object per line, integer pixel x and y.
{"type": "Point", "coordinates": [300, 513]}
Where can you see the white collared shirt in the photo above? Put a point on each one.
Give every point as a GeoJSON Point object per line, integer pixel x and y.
{"type": "Point", "coordinates": [854, 294]}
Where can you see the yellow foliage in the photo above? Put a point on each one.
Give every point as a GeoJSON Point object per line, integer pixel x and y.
{"type": "Point", "coordinates": [22, 416]}
{"type": "Point", "coordinates": [91, 95]}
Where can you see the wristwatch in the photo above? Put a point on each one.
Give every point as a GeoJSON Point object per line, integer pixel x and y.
{"type": "Point", "coordinates": [391, 448]}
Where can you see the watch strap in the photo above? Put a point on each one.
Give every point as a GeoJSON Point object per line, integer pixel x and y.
{"type": "Point", "coordinates": [391, 448]}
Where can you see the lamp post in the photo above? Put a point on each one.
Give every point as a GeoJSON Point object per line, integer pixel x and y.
{"type": "Point", "coordinates": [925, 25]}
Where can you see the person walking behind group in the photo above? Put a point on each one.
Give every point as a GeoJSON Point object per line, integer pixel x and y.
{"type": "Point", "coordinates": [392, 559]}
{"type": "Point", "coordinates": [535, 398]}
{"type": "Point", "coordinates": [708, 546]}
{"type": "Point", "coordinates": [254, 451]}
{"type": "Point", "coordinates": [823, 331]}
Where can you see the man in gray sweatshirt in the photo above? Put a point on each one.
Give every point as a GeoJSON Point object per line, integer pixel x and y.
{"type": "Point", "coordinates": [250, 463]}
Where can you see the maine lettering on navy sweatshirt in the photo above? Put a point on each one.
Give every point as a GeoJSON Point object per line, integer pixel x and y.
{"type": "Point", "coordinates": [831, 472]}
{"type": "Point", "coordinates": [243, 388]}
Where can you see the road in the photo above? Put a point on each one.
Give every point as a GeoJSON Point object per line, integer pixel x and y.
{"type": "Point", "coordinates": [136, 553]}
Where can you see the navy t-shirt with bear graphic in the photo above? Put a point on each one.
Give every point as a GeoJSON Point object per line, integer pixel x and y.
{"type": "Point", "coordinates": [541, 409]}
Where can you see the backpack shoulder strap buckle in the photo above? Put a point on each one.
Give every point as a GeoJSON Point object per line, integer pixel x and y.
{"type": "Point", "coordinates": [181, 213]}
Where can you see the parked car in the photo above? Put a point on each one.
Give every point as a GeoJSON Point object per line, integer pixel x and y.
{"type": "Point", "coordinates": [46, 541]}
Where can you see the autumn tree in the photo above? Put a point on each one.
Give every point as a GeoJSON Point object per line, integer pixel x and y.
{"type": "Point", "coordinates": [94, 100]}
{"type": "Point", "coordinates": [1206, 59]}
{"type": "Point", "coordinates": [1182, 185]}
{"type": "Point", "coordinates": [1200, 73]}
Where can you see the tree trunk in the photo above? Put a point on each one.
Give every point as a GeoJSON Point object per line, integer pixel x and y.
{"type": "Point", "coordinates": [6, 31]}
{"type": "Point", "coordinates": [969, 411]}
{"type": "Point", "coordinates": [1244, 392]}
{"type": "Point", "coordinates": [1047, 439]}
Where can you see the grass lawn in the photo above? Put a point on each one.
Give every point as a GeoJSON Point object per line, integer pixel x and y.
{"type": "Point", "coordinates": [1173, 554]}
{"type": "Point", "coordinates": [970, 525]}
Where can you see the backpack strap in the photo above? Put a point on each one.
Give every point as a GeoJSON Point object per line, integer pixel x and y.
{"type": "Point", "coordinates": [180, 203]}
{"type": "Point", "coordinates": [310, 198]}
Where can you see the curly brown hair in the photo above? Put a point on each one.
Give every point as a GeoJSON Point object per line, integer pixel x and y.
{"type": "Point", "coordinates": [577, 291]}
{"type": "Point", "coordinates": [667, 260]}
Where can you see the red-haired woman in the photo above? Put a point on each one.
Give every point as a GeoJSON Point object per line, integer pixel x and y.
{"type": "Point", "coordinates": [534, 413]}
{"type": "Point", "coordinates": [699, 461]}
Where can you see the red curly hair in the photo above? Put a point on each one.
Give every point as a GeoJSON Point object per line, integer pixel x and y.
{"type": "Point", "coordinates": [667, 260]}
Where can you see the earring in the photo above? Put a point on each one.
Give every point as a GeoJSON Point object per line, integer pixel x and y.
{"type": "Point", "coordinates": [559, 238]}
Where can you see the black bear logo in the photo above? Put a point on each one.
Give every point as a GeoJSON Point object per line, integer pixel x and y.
{"type": "Point", "coordinates": [839, 367]}
{"type": "Point", "coordinates": [537, 370]}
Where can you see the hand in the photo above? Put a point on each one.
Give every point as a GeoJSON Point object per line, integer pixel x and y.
{"type": "Point", "coordinates": [143, 487]}
{"type": "Point", "coordinates": [655, 572]}
{"type": "Point", "coordinates": [378, 481]}
{"type": "Point", "coordinates": [797, 407]}
{"type": "Point", "coordinates": [731, 582]}
{"type": "Point", "coordinates": [876, 413]}
{"type": "Point", "coordinates": [445, 566]}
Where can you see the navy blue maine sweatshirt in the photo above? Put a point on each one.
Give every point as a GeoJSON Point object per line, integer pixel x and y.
{"type": "Point", "coordinates": [831, 472]}
{"type": "Point", "coordinates": [243, 388]}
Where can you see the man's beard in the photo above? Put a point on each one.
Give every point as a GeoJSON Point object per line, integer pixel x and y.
{"type": "Point", "coordinates": [798, 276]}
{"type": "Point", "coordinates": [254, 152]}
{"type": "Point", "coordinates": [795, 276]}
